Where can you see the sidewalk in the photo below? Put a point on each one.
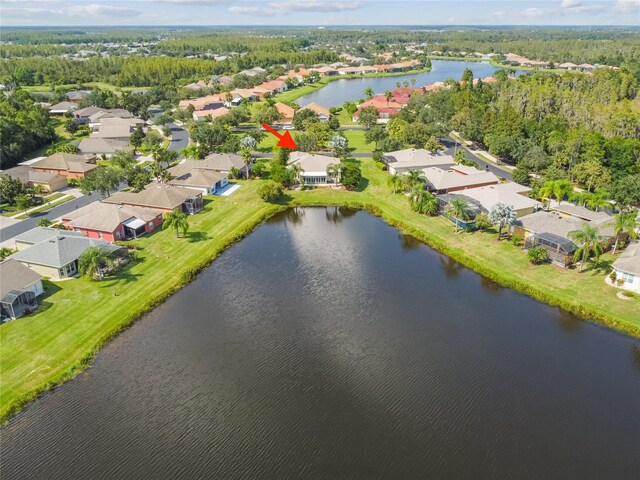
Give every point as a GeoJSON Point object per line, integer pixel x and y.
{"type": "Point", "coordinates": [483, 154]}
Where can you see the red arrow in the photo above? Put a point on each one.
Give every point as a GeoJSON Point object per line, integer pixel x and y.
{"type": "Point", "coordinates": [286, 140]}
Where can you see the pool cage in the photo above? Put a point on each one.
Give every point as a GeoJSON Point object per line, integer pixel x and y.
{"type": "Point", "coordinates": [474, 209]}
{"type": "Point", "coordinates": [17, 303]}
{"type": "Point", "coordinates": [560, 249]}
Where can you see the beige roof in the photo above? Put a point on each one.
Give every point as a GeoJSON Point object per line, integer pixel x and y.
{"type": "Point", "coordinates": [106, 217]}
{"type": "Point", "coordinates": [316, 107]}
{"type": "Point", "coordinates": [441, 179]}
{"type": "Point", "coordinates": [417, 158]}
{"type": "Point", "coordinates": [112, 121]}
{"type": "Point", "coordinates": [113, 131]}
{"type": "Point", "coordinates": [311, 162]}
{"type": "Point", "coordinates": [215, 113]}
{"type": "Point", "coordinates": [511, 194]}
{"type": "Point", "coordinates": [629, 260]}
{"type": "Point", "coordinates": [98, 145]}
{"type": "Point", "coordinates": [15, 276]}
{"type": "Point", "coordinates": [166, 197]}
{"type": "Point", "coordinates": [286, 111]}
{"type": "Point", "coordinates": [88, 111]}
{"type": "Point", "coordinates": [25, 174]}
{"type": "Point", "coordinates": [551, 222]}
{"type": "Point", "coordinates": [222, 162]}
{"type": "Point", "coordinates": [188, 173]}
{"type": "Point", "coordinates": [582, 212]}
{"type": "Point", "coordinates": [63, 107]}
{"type": "Point", "coordinates": [65, 161]}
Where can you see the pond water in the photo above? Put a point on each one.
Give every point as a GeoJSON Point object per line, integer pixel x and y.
{"type": "Point", "coordinates": [328, 345]}
{"type": "Point", "coordinates": [338, 92]}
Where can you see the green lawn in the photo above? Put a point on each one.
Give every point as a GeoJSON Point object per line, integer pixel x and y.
{"type": "Point", "coordinates": [78, 316]}
{"type": "Point", "coordinates": [356, 140]}
{"type": "Point", "coordinates": [72, 86]}
{"type": "Point", "coordinates": [48, 206]}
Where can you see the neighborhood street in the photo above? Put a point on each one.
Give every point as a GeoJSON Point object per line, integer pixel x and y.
{"type": "Point", "coordinates": [179, 137]}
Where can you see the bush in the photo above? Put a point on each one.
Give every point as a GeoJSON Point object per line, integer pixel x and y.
{"type": "Point", "coordinates": [613, 276]}
{"type": "Point", "coordinates": [381, 166]}
{"type": "Point", "coordinates": [350, 174]}
{"type": "Point", "coordinates": [377, 156]}
{"type": "Point", "coordinates": [538, 255]}
{"type": "Point", "coordinates": [517, 241]}
{"type": "Point", "coordinates": [270, 191]}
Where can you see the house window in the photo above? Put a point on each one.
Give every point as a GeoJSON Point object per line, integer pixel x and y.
{"type": "Point", "coordinates": [627, 277]}
{"type": "Point", "coordinates": [150, 224]}
{"type": "Point", "coordinates": [99, 234]}
{"type": "Point", "coordinates": [118, 234]}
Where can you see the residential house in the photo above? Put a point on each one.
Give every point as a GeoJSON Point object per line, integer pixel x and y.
{"type": "Point", "coordinates": [386, 108]}
{"type": "Point", "coordinates": [112, 118]}
{"type": "Point", "coordinates": [287, 113]}
{"type": "Point", "coordinates": [401, 161]}
{"type": "Point", "coordinates": [19, 288]}
{"type": "Point", "coordinates": [321, 111]}
{"type": "Point", "coordinates": [62, 108]}
{"type": "Point", "coordinates": [82, 115]}
{"type": "Point", "coordinates": [56, 256]}
{"type": "Point", "coordinates": [627, 268]}
{"type": "Point", "coordinates": [314, 167]}
{"type": "Point", "coordinates": [252, 72]}
{"type": "Point", "coordinates": [210, 102]}
{"type": "Point", "coordinates": [510, 193]}
{"type": "Point", "coordinates": [327, 71]}
{"type": "Point", "coordinates": [51, 181]}
{"type": "Point", "coordinates": [111, 222]}
{"type": "Point", "coordinates": [195, 175]}
{"type": "Point", "coordinates": [76, 96]}
{"type": "Point", "coordinates": [37, 235]}
{"type": "Point", "coordinates": [68, 164]}
{"type": "Point", "coordinates": [274, 86]}
{"type": "Point", "coordinates": [161, 197]}
{"type": "Point", "coordinates": [456, 178]}
{"type": "Point", "coordinates": [224, 162]}
{"type": "Point", "coordinates": [105, 147]}
{"type": "Point", "coordinates": [202, 115]}
{"type": "Point", "coordinates": [568, 66]}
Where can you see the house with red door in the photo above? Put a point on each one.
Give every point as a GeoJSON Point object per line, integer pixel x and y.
{"type": "Point", "coordinates": [112, 222]}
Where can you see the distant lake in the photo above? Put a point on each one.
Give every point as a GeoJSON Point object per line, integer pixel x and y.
{"type": "Point", "coordinates": [327, 345]}
{"type": "Point", "coordinates": [337, 92]}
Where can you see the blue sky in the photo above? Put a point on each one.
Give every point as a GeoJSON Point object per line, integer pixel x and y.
{"type": "Point", "coordinates": [319, 12]}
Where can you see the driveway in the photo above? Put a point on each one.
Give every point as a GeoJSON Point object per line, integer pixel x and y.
{"type": "Point", "coordinates": [179, 138]}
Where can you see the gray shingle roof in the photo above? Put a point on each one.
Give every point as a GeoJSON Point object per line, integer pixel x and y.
{"type": "Point", "coordinates": [629, 260]}
{"type": "Point", "coordinates": [60, 250]}
{"type": "Point", "coordinates": [15, 276]}
{"type": "Point", "coordinates": [40, 234]}
{"type": "Point", "coordinates": [222, 161]}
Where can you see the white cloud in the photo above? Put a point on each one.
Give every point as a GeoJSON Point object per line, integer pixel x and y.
{"type": "Point", "coordinates": [570, 3]}
{"type": "Point", "coordinates": [536, 12]}
{"type": "Point", "coordinates": [256, 11]}
{"type": "Point", "coordinates": [99, 10]}
{"type": "Point", "coordinates": [316, 6]}
{"type": "Point", "coordinates": [193, 2]}
{"type": "Point", "coordinates": [627, 5]}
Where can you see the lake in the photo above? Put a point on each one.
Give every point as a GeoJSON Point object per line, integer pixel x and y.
{"type": "Point", "coordinates": [328, 345]}
{"type": "Point", "coordinates": [337, 92]}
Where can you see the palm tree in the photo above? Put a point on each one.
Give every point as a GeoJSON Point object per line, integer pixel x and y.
{"type": "Point", "coordinates": [394, 182]}
{"type": "Point", "coordinates": [297, 171]}
{"type": "Point", "coordinates": [625, 222]}
{"type": "Point", "coordinates": [557, 189]}
{"type": "Point", "coordinates": [178, 220]}
{"type": "Point", "coordinates": [248, 144]}
{"type": "Point", "coordinates": [413, 178]}
{"type": "Point", "coordinates": [413, 82]}
{"type": "Point", "coordinates": [95, 262]}
{"type": "Point", "coordinates": [388, 95]}
{"type": "Point", "coordinates": [333, 170]}
{"type": "Point", "coordinates": [459, 209]}
{"type": "Point", "coordinates": [597, 200]}
{"type": "Point", "coordinates": [422, 201]}
{"type": "Point", "coordinates": [368, 92]}
{"type": "Point", "coordinates": [588, 241]}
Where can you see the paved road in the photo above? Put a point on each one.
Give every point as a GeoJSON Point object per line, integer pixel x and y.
{"type": "Point", "coordinates": [28, 223]}
{"type": "Point", "coordinates": [450, 143]}
{"type": "Point", "coordinates": [179, 137]}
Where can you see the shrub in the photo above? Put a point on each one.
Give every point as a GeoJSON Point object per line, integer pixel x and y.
{"type": "Point", "coordinates": [377, 156]}
{"type": "Point", "coordinates": [538, 255]}
{"type": "Point", "coordinates": [620, 282]}
{"type": "Point", "coordinates": [270, 191]}
{"type": "Point", "coordinates": [613, 276]}
{"type": "Point", "coordinates": [628, 294]}
{"type": "Point", "coordinates": [381, 166]}
{"type": "Point", "coordinates": [517, 241]}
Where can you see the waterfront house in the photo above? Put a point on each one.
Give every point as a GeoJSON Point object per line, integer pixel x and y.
{"type": "Point", "coordinates": [314, 167]}
{"type": "Point", "coordinates": [321, 111]}
{"type": "Point", "coordinates": [627, 268]}
{"type": "Point", "coordinates": [19, 288]}
{"type": "Point", "coordinates": [456, 178]}
{"type": "Point", "coordinates": [287, 113]}
{"type": "Point", "coordinates": [161, 197]}
{"type": "Point", "coordinates": [274, 86]}
{"type": "Point", "coordinates": [56, 256]}
{"type": "Point", "coordinates": [510, 193]}
{"type": "Point", "coordinates": [37, 235]}
{"type": "Point", "coordinates": [196, 175]}
{"type": "Point", "coordinates": [401, 161]}
{"type": "Point", "coordinates": [209, 102]}
{"type": "Point", "coordinates": [50, 181]}
{"type": "Point", "coordinates": [68, 164]}
{"type": "Point", "coordinates": [111, 222]}
{"type": "Point", "coordinates": [224, 162]}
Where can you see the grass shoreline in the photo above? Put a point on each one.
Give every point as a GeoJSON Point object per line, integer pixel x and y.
{"type": "Point", "coordinates": [59, 342]}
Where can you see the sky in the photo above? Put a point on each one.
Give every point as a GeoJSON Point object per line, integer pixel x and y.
{"type": "Point", "coordinates": [318, 12]}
